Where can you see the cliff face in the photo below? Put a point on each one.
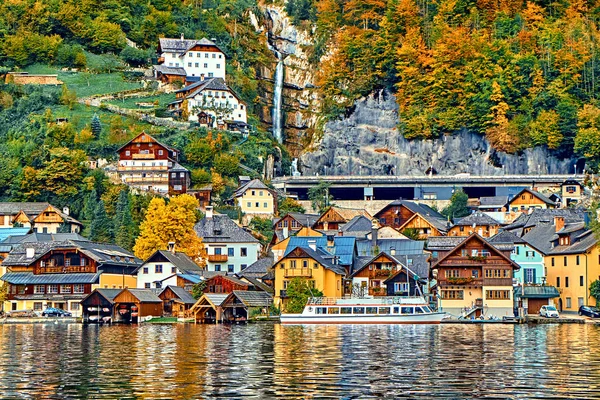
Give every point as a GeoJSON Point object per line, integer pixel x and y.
{"type": "Point", "coordinates": [368, 142]}
{"type": "Point", "coordinates": [300, 102]}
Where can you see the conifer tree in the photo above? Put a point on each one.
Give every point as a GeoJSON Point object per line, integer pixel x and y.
{"type": "Point", "coordinates": [123, 222]}
{"type": "Point", "coordinates": [101, 226]}
{"type": "Point", "coordinates": [96, 126]}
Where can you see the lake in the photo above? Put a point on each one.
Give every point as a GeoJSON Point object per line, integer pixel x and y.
{"type": "Point", "coordinates": [273, 361]}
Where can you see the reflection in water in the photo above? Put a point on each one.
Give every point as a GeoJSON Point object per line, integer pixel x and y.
{"type": "Point", "coordinates": [266, 361]}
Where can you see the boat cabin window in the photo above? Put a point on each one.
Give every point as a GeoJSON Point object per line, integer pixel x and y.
{"type": "Point", "coordinates": [321, 310]}
{"type": "Point", "coordinates": [407, 310]}
{"type": "Point", "coordinates": [371, 310]}
{"type": "Point", "coordinates": [346, 310]}
{"type": "Point", "coordinates": [427, 309]}
{"type": "Point", "coordinates": [333, 310]}
{"type": "Point", "coordinates": [396, 310]}
{"type": "Point", "coordinates": [384, 310]}
{"type": "Point", "coordinates": [358, 310]}
{"type": "Point", "coordinates": [419, 310]}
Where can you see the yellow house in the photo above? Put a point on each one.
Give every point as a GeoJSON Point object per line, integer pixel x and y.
{"type": "Point", "coordinates": [572, 266]}
{"type": "Point", "coordinates": [527, 199]}
{"type": "Point", "coordinates": [480, 223]}
{"type": "Point", "coordinates": [571, 192]}
{"type": "Point", "coordinates": [278, 249]}
{"type": "Point", "coordinates": [254, 197]}
{"type": "Point", "coordinates": [310, 264]}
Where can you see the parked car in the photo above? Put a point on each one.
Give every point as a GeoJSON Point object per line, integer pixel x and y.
{"type": "Point", "coordinates": [593, 312]}
{"type": "Point", "coordinates": [55, 312]}
{"type": "Point", "coordinates": [549, 312]}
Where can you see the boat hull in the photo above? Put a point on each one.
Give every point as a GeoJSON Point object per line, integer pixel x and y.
{"type": "Point", "coordinates": [301, 319]}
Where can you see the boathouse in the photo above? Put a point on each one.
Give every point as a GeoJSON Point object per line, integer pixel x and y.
{"type": "Point", "coordinates": [208, 308]}
{"type": "Point", "coordinates": [176, 300]}
{"type": "Point", "coordinates": [98, 306]}
{"type": "Point", "coordinates": [132, 305]}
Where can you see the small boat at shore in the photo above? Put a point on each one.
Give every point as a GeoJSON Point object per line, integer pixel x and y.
{"type": "Point", "coordinates": [378, 310]}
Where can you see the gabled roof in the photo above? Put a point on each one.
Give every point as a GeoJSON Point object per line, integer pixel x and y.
{"type": "Point", "coordinates": [233, 279]}
{"type": "Point", "coordinates": [258, 268]}
{"type": "Point", "coordinates": [542, 237]}
{"type": "Point", "coordinates": [253, 184]}
{"type": "Point", "coordinates": [321, 256]}
{"type": "Point", "coordinates": [258, 285]}
{"type": "Point", "coordinates": [28, 278]}
{"type": "Point", "coordinates": [183, 45]}
{"type": "Point", "coordinates": [221, 229]}
{"type": "Point", "coordinates": [443, 243]}
{"type": "Point", "coordinates": [493, 201]}
{"type": "Point", "coordinates": [538, 216]}
{"type": "Point", "coordinates": [506, 237]}
{"type": "Point", "coordinates": [400, 246]}
{"type": "Point", "coordinates": [359, 223]}
{"type": "Point", "coordinates": [198, 87]}
{"type": "Point", "coordinates": [485, 243]}
{"type": "Point", "coordinates": [582, 244]}
{"type": "Point", "coordinates": [151, 137]}
{"type": "Point", "coordinates": [143, 295]}
{"type": "Point", "coordinates": [108, 294]}
{"type": "Point", "coordinates": [179, 259]}
{"type": "Point", "coordinates": [343, 246]}
{"type": "Point", "coordinates": [181, 293]}
{"type": "Point", "coordinates": [540, 196]}
{"type": "Point", "coordinates": [346, 214]}
{"type": "Point", "coordinates": [32, 210]}
{"type": "Point", "coordinates": [372, 259]}
{"type": "Point", "coordinates": [478, 219]}
{"type": "Point", "coordinates": [412, 206]}
{"type": "Point", "coordinates": [307, 220]}
{"type": "Point", "coordinates": [251, 298]}
{"type": "Point", "coordinates": [163, 69]}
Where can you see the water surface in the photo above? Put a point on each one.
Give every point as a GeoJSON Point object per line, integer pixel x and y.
{"type": "Point", "coordinates": [274, 361]}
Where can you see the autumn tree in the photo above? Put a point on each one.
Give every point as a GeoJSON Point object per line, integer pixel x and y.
{"type": "Point", "coordinates": [172, 222]}
{"type": "Point", "coordinates": [587, 140]}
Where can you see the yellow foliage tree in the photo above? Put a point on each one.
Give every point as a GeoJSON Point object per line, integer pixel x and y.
{"type": "Point", "coordinates": [172, 222]}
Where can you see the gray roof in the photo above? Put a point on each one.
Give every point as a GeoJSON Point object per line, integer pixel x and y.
{"type": "Point", "coordinates": [163, 69]}
{"type": "Point", "coordinates": [108, 294]}
{"type": "Point", "coordinates": [359, 223]}
{"type": "Point", "coordinates": [540, 196]}
{"type": "Point", "coordinates": [252, 298]}
{"type": "Point", "coordinates": [32, 210]}
{"type": "Point", "coordinates": [145, 295]}
{"type": "Point", "coordinates": [183, 294]}
{"type": "Point", "coordinates": [207, 84]}
{"type": "Point", "coordinates": [258, 268]}
{"type": "Point", "coordinates": [258, 285]}
{"type": "Point", "coordinates": [506, 237]}
{"type": "Point", "coordinates": [178, 168]}
{"type": "Point", "coordinates": [28, 278]}
{"type": "Point", "coordinates": [538, 216]}
{"type": "Point", "coordinates": [307, 220]}
{"type": "Point", "coordinates": [541, 237]}
{"type": "Point", "coordinates": [537, 292]}
{"type": "Point", "coordinates": [493, 201]}
{"type": "Point", "coordinates": [216, 298]}
{"type": "Point", "coordinates": [441, 243]}
{"type": "Point", "coordinates": [581, 244]}
{"type": "Point", "coordinates": [179, 259]}
{"type": "Point", "coordinates": [253, 184]}
{"type": "Point", "coordinates": [478, 219]}
{"type": "Point", "coordinates": [221, 229]}
{"type": "Point", "coordinates": [183, 45]}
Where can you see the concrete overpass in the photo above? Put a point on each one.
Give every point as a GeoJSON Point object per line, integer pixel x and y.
{"type": "Point", "coordinates": [436, 187]}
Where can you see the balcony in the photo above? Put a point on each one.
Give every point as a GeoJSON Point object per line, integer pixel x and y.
{"type": "Point", "coordinates": [217, 257]}
{"type": "Point", "coordinates": [377, 291]}
{"type": "Point", "coordinates": [460, 281]}
{"type": "Point", "coordinates": [298, 272]}
{"type": "Point", "coordinates": [476, 260]}
{"type": "Point", "coordinates": [141, 168]}
{"type": "Point", "coordinates": [64, 270]}
{"type": "Point", "coordinates": [145, 179]}
{"type": "Point", "coordinates": [498, 282]}
{"type": "Point", "coordinates": [138, 156]}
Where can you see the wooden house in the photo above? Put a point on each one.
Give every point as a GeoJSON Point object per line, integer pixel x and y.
{"type": "Point", "coordinates": [480, 223]}
{"type": "Point", "coordinates": [475, 278]}
{"type": "Point", "coordinates": [133, 305]}
{"type": "Point", "coordinates": [528, 199]}
{"type": "Point", "coordinates": [176, 301]}
{"type": "Point", "coordinates": [225, 284]}
{"type": "Point", "coordinates": [39, 217]}
{"type": "Point", "coordinates": [147, 164]}
{"type": "Point", "coordinates": [240, 306]}
{"type": "Point", "coordinates": [426, 225]}
{"type": "Point", "coordinates": [334, 217]}
{"type": "Point", "coordinates": [398, 212]}
{"type": "Point", "coordinates": [98, 306]}
{"type": "Point", "coordinates": [203, 194]}
{"type": "Point", "coordinates": [208, 308]}
{"type": "Point", "coordinates": [290, 224]}
{"type": "Point", "coordinates": [278, 248]}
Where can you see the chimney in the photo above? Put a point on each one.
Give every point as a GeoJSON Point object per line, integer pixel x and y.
{"type": "Point", "coordinates": [374, 233]}
{"type": "Point", "coordinates": [171, 247]}
{"type": "Point", "coordinates": [66, 210]}
{"type": "Point", "coordinates": [559, 223]}
{"type": "Point", "coordinates": [286, 232]}
{"type": "Point", "coordinates": [209, 212]}
{"type": "Point", "coordinates": [312, 244]}
{"type": "Point", "coordinates": [182, 36]}
{"type": "Point", "coordinates": [392, 251]}
{"type": "Point", "coordinates": [340, 232]}
{"type": "Point", "coordinates": [201, 77]}
{"type": "Point", "coordinates": [30, 252]}
{"type": "Point", "coordinates": [213, 39]}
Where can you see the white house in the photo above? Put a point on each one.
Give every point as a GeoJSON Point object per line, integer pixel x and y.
{"type": "Point", "coordinates": [229, 248]}
{"type": "Point", "coordinates": [211, 103]}
{"type": "Point", "coordinates": [165, 264]}
{"type": "Point", "coordinates": [200, 58]}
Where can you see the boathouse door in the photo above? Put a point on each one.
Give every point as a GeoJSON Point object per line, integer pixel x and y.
{"type": "Point", "coordinates": [559, 305]}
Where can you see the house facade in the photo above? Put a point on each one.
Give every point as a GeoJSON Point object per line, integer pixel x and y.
{"type": "Point", "coordinates": [164, 264]}
{"type": "Point", "coordinates": [478, 222]}
{"type": "Point", "coordinates": [313, 265]}
{"type": "Point", "coordinates": [571, 192]}
{"type": "Point", "coordinates": [199, 58]}
{"type": "Point", "coordinates": [528, 199]}
{"type": "Point", "coordinates": [334, 217]}
{"type": "Point", "coordinates": [149, 165]}
{"type": "Point", "coordinates": [256, 198]}
{"type": "Point", "coordinates": [39, 217]}
{"type": "Point", "coordinates": [475, 278]}
{"type": "Point", "coordinates": [61, 274]}
{"type": "Point", "coordinates": [229, 248]}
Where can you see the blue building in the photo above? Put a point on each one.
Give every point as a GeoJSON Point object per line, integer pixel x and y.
{"type": "Point", "coordinates": [528, 257]}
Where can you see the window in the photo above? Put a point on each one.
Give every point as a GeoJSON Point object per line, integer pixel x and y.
{"type": "Point", "coordinates": [529, 254]}
{"type": "Point", "coordinates": [217, 267]}
{"type": "Point", "coordinates": [189, 64]}
{"type": "Point", "coordinates": [579, 301]}
{"type": "Point", "coordinates": [160, 152]}
{"type": "Point", "coordinates": [453, 294]}
{"type": "Point", "coordinates": [463, 253]}
{"type": "Point", "coordinates": [475, 273]}
{"type": "Point", "coordinates": [552, 259]}
{"type": "Point", "coordinates": [37, 306]}
{"type": "Point", "coordinates": [243, 266]}
{"type": "Point", "coordinates": [249, 205]}
{"type": "Point", "coordinates": [384, 310]}
{"type": "Point", "coordinates": [321, 310]}
{"type": "Point", "coordinates": [158, 268]}
{"type": "Point", "coordinates": [565, 261]}
{"type": "Point", "coordinates": [217, 251]}
{"type": "Point", "coordinates": [371, 310]}
{"type": "Point", "coordinates": [173, 270]}
{"type": "Point", "coordinates": [218, 66]}
{"type": "Point", "coordinates": [581, 280]}
{"type": "Point", "coordinates": [230, 268]}
{"type": "Point", "coordinates": [529, 275]}
{"type": "Point", "coordinates": [78, 288]}
{"type": "Point", "coordinates": [38, 289]}
{"type": "Point", "coordinates": [257, 205]}
{"type": "Point", "coordinates": [158, 285]}
{"type": "Point", "coordinates": [147, 285]}
{"type": "Point", "coordinates": [566, 281]}
{"type": "Point", "coordinates": [210, 74]}
{"type": "Point", "coordinates": [182, 174]}
{"type": "Point", "coordinates": [315, 266]}
{"type": "Point", "coordinates": [497, 294]}
{"type": "Point", "coordinates": [145, 270]}
{"type": "Point", "coordinates": [293, 264]}
{"type": "Point", "coordinates": [52, 288]}
{"type": "Point", "coordinates": [197, 65]}
{"type": "Point", "coordinates": [220, 55]}
{"type": "Point", "coordinates": [304, 264]}
{"type": "Point", "coordinates": [74, 306]}
{"type": "Point", "coordinates": [214, 55]}
{"type": "Point", "coordinates": [127, 153]}
{"type": "Point", "coordinates": [65, 288]}
{"type": "Point", "coordinates": [243, 252]}
{"type": "Point", "coordinates": [333, 310]}
{"type": "Point", "coordinates": [358, 310]}
{"type": "Point", "coordinates": [558, 281]}
{"type": "Point", "coordinates": [173, 174]}
{"type": "Point", "coordinates": [452, 273]}
{"type": "Point", "coordinates": [429, 196]}
{"type": "Point", "coordinates": [407, 310]}
{"type": "Point", "coordinates": [346, 310]}
{"type": "Point", "coordinates": [265, 205]}
{"type": "Point", "coordinates": [577, 260]}
{"type": "Point", "coordinates": [205, 56]}
{"type": "Point", "coordinates": [568, 302]}
{"type": "Point", "coordinates": [400, 287]}
{"type": "Point", "coordinates": [205, 65]}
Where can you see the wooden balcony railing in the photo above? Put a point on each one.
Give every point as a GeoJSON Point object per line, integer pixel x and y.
{"type": "Point", "coordinates": [298, 272]}
{"type": "Point", "coordinates": [145, 179]}
{"type": "Point", "coordinates": [460, 281]}
{"type": "Point", "coordinates": [59, 269]}
{"type": "Point", "coordinates": [123, 168]}
{"type": "Point", "coordinates": [377, 291]}
{"type": "Point", "coordinates": [477, 260]}
{"type": "Point", "coordinates": [498, 282]}
{"type": "Point", "coordinates": [217, 257]}
{"type": "Point", "coordinates": [139, 156]}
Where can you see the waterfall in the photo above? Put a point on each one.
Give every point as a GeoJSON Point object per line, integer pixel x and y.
{"type": "Point", "coordinates": [277, 130]}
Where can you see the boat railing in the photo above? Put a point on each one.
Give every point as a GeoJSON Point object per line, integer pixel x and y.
{"type": "Point", "coordinates": [331, 301]}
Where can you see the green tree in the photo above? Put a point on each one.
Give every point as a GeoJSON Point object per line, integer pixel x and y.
{"type": "Point", "coordinates": [458, 205]}
{"type": "Point", "coordinates": [198, 289]}
{"type": "Point", "coordinates": [227, 165]}
{"type": "Point", "coordinates": [68, 97]}
{"type": "Point", "coordinates": [287, 205]}
{"type": "Point", "coordinates": [135, 57]}
{"type": "Point", "coordinates": [96, 126]}
{"type": "Point", "coordinates": [595, 291]}
{"type": "Point", "coordinates": [319, 196]}
{"type": "Point", "coordinates": [298, 292]}
{"type": "Point", "coordinates": [123, 222]}
{"type": "Point", "coordinates": [101, 226]}
{"type": "Point", "coordinates": [264, 226]}
{"type": "Point", "coordinates": [411, 233]}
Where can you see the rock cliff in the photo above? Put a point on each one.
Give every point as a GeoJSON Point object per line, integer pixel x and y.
{"type": "Point", "coordinates": [368, 142]}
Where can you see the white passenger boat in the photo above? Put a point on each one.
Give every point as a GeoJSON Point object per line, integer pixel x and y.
{"type": "Point", "coordinates": [378, 310]}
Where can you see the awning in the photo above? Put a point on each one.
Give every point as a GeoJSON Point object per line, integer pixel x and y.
{"type": "Point", "coordinates": [537, 292]}
{"type": "Point", "coordinates": [28, 278]}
